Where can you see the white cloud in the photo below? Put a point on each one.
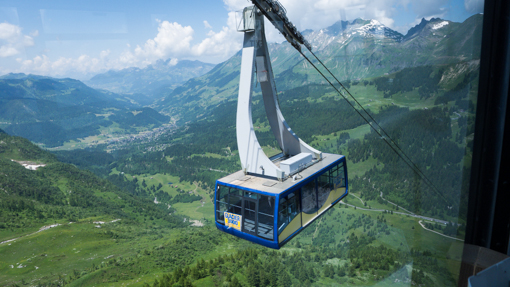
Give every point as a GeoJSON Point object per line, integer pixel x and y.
{"type": "Point", "coordinates": [176, 41]}
{"type": "Point", "coordinates": [173, 62]}
{"type": "Point", "coordinates": [7, 51]}
{"type": "Point", "coordinates": [317, 14]}
{"type": "Point", "coordinates": [474, 6]}
{"type": "Point", "coordinates": [220, 45]}
{"type": "Point", "coordinates": [236, 5]}
{"type": "Point", "coordinates": [429, 8]}
{"type": "Point", "coordinates": [12, 40]}
{"type": "Point", "coordinates": [172, 40]}
{"type": "Point", "coordinates": [44, 66]}
{"type": "Point", "coordinates": [207, 25]}
{"type": "Point", "coordinates": [9, 32]}
{"type": "Point", "coordinates": [104, 53]}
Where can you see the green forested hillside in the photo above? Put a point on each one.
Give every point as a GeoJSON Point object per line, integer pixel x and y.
{"type": "Point", "coordinates": [66, 92]}
{"type": "Point", "coordinates": [145, 117]}
{"type": "Point", "coordinates": [58, 194]}
{"type": "Point", "coordinates": [57, 191]}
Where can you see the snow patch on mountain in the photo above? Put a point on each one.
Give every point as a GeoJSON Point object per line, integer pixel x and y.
{"type": "Point", "coordinates": [342, 32]}
{"type": "Point", "coordinates": [439, 25]}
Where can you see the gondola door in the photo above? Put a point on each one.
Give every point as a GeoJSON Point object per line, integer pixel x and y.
{"type": "Point", "coordinates": [250, 216]}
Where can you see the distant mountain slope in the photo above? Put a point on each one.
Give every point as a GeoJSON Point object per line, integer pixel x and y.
{"type": "Point", "coordinates": [161, 75]}
{"type": "Point", "coordinates": [142, 117]}
{"type": "Point", "coordinates": [351, 50]}
{"type": "Point", "coordinates": [51, 111]}
{"type": "Point", "coordinates": [65, 92]}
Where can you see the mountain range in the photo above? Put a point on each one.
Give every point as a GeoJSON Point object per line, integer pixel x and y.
{"type": "Point", "coordinates": [355, 50]}
{"type": "Point", "coordinates": [53, 111]}
{"type": "Point", "coordinates": [143, 83]}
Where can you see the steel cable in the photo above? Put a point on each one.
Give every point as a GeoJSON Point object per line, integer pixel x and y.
{"type": "Point", "coordinates": [407, 160]}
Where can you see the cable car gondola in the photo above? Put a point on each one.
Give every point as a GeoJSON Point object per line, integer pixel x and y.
{"type": "Point", "coordinates": [270, 212]}
{"type": "Point", "coordinates": [271, 200]}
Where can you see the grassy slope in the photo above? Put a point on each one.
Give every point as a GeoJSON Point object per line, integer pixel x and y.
{"type": "Point", "coordinates": [54, 253]}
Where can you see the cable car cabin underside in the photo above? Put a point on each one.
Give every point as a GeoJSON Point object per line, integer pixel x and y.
{"type": "Point", "coordinates": [269, 211]}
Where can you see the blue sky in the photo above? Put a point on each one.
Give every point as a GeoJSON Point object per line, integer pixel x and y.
{"type": "Point", "coordinates": [82, 38]}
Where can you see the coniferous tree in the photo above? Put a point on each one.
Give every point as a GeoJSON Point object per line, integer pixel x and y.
{"type": "Point", "coordinates": [235, 282]}
{"type": "Point", "coordinates": [284, 279]}
{"type": "Point", "coordinates": [252, 275]}
{"type": "Point", "coordinates": [195, 273]}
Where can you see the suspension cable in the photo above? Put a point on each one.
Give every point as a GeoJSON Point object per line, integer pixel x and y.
{"type": "Point", "coordinates": [392, 141]}
{"type": "Point", "coordinates": [407, 160]}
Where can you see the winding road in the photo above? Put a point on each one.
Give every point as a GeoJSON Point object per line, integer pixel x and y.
{"type": "Point", "coordinates": [40, 229]}
{"type": "Point", "coordinates": [408, 213]}
{"type": "Point", "coordinates": [395, 204]}
{"type": "Point", "coordinates": [438, 232]}
{"type": "Point", "coordinates": [51, 226]}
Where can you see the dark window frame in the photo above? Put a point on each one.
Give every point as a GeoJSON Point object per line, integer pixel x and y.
{"type": "Point", "coordinates": [297, 201]}
{"type": "Point", "coordinates": [488, 216]}
{"type": "Point", "coordinates": [244, 195]}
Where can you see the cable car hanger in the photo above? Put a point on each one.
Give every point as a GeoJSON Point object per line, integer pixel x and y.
{"type": "Point", "coordinates": [266, 202]}
{"type": "Point", "coordinates": [255, 54]}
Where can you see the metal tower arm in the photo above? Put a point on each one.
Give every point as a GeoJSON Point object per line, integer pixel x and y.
{"type": "Point", "coordinates": [256, 54]}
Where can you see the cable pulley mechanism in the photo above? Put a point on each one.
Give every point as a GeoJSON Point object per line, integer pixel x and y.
{"type": "Point", "coordinates": [277, 15]}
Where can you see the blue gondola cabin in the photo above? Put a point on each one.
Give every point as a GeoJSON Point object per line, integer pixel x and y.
{"type": "Point", "coordinates": [271, 212]}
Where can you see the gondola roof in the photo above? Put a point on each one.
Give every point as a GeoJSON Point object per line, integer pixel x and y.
{"type": "Point", "coordinates": [273, 186]}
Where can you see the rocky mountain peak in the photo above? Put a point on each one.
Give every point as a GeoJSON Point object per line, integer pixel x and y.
{"type": "Point", "coordinates": [425, 26]}
{"type": "Point", "coordinates": [343, 31]}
